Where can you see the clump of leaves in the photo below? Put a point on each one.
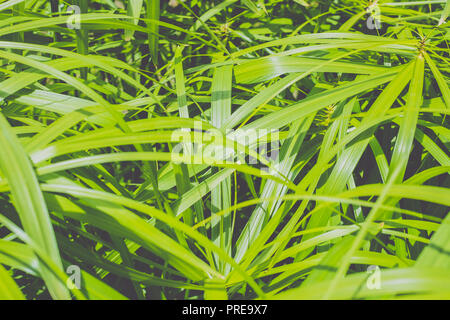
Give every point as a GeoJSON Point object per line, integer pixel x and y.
{"type": "Point", "coordinates": [94, 94]}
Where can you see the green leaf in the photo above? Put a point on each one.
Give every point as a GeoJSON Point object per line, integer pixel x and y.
{"type": "Point", "coordinates": [133, 10]}
{"type": "Point", "coordinates": [221, 227]}
{"type": "Point", "coordinates": [437, 253]}
{"type": "Point", "coordinates": [8, 287]}
{"type": "Point", "coordinates": [30, 203]}
{"type": "Point", "coordinates": [153, 12]}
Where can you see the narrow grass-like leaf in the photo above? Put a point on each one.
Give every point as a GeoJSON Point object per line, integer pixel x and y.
{"type": "Point", "coordinates": [30, 204]}
{"type": "Point", "coordinates": [8, 287]}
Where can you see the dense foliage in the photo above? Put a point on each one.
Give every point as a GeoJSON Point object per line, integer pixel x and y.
{"type": "Point", "coordinates": [339, 189]}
